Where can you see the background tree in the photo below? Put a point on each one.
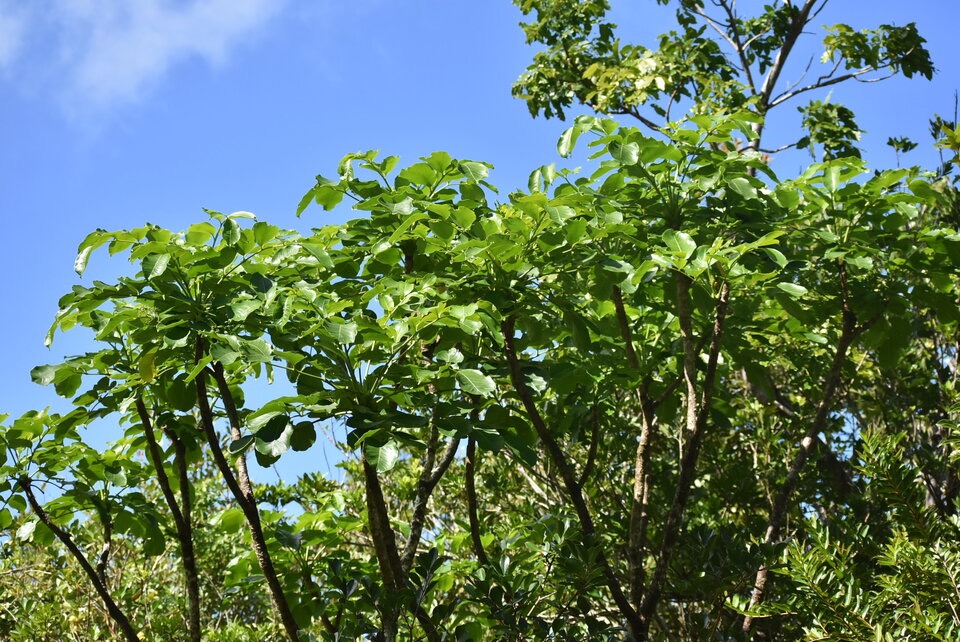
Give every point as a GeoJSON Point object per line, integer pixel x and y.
{"type": "Point", "coordinates": [588, 410]}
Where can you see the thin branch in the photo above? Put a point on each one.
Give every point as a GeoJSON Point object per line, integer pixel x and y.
{"type": "Point", "coordinates": [778, 510]}
{"type": "Point", "coordinates": [635, 112]}
{"type": "Point", "coordinates": [624, 322]}
{"type": "Point", "coordinates": [104, 558]}
{"type": "Point", "coordinates": [470, 471]}
{"type": "Point", "coordinates": [733, 41]}
{"type": "Point", "coordinates": [773, 74]}
{"type": "Point", "coordinates": [821, 83]}
{"type": "Point", "coordinates": [696, 429]}
{"type": "Point", "coordinates": [573, 488]}
{"type": "Point", "coordinates": [187, 549]}
{"type": "Point", "coordinates": [429, 478]}
{"type": "Point", "coordinates": [594, 445]}
{"type": "Point", "coordinates": [115, 612]}
{"type": "Point", "coordinates": [240, 485]}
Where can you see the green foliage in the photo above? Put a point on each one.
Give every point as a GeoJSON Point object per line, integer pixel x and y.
{"type": "Point", "coordinates": [597, 409]}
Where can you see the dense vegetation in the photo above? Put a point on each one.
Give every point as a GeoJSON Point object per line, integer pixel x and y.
{"type": "Point", "coordinates": [672, 396]}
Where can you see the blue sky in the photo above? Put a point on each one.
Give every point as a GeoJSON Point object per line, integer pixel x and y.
{"type": "Point", "coordinates": [117, 112]}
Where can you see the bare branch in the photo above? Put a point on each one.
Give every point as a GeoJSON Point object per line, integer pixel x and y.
{"type": "Point", "coordinates": [734, 41]}
{"type": "Point", "coordinates": [823, 81]}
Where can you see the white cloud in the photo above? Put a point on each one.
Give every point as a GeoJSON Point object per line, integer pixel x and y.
{"type": "Point", "coordinates": [132, 44]}
{"type": "Point", "coordinates": [103, 52]}
{"type": "Point", "coordinates": [12, 27]}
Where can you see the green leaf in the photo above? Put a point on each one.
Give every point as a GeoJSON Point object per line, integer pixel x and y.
{"type": "Point", "coordinates": [679, 242]}
{"type": "Point", "coordinates": [793, 289]}
{"type": "Point", "coordinates": [275, 447]}
{"type": "Point", "coordinates": [319, 253]}
{"type": "Point", "coordinates": [382, 458]}
{"type": "Point", "coordinates": [568, 141]}
{"type": "Point", "coordinates": [474, 171]}
{"type": "Point", "coordinates": [743, 187]}
{"type": "Point", "coordinates": [256, 351]}
{"type": "Point", "coordinates": [231, 231]}
{"type": "Point", "coordinates": [155, 265]}
{"type": "Point", "coordinates": [627, 154]}
{"type": "Point", "coordinates": [198, 368]}
{"type": "Point", "coordinates": [147, 367]}
{"type": "Point", "coordinates": [342, 332]}
{"type": "Point", "coordinates": [43, 375]}
{"type": "Point", "coordinates": [240, 446]}
{"type": "Point", "coordinates": [230, 520]}
{"type": "Point", "coordinates": [242, 309]}
{"type": "Point", "coordinates": [475, 382]}
{"type": "Point", "coordinates": [560, 213]}
{"type": "Point", "coordinates": [25, 532]}
{"type": "Point", "coordinates": [304, 436]}
{"type": "Point", "coordinates": [80, 264]}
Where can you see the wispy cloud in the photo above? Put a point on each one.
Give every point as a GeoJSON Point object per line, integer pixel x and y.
{"type": "Point", "coordinates": [113, 51]}
{"type": "Point", "coordinates": [12, 27]}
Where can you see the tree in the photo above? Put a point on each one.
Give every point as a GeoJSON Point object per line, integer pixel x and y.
{"type": "Point", "coordinates": [590, 410]}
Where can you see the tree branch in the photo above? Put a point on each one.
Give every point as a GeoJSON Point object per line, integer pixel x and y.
{"type": "Point", "coordinates": [429, 477]}
{"type": "Point", "coordinates": [470, 471]}
{"type": "Point", "coordinates": [698, 412]}
{"type": "Point", "coordinates": [240, 486]}
{"type": "Point", "coordinates": [640, 503]}
{"type": "Point", "coordinates": [573, 489]}
{"type": "Point", "coordinates": [770, 81]}
{"type": "Point", "coordinates": [733, 41]}
{"type": "Point", "coordinates": [115, 612]}
{"type": "Point", "coordinates": [385, 547]}
{"type": "Point", "coordinates": [819, 84]}
{"type": "Point", "coordinates": [181, 517]}
{"type": "Point", "coordinates": [778, 511]}
{"type": "Point", "coordinates": [624, 322]}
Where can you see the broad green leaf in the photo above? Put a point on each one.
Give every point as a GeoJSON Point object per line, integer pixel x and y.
{"type": "Point", "coordinates": [242, 309]}
{"type": "Point", "coordinates": [256, 351]}
{"type": "Point", "coordinates": [342, 332]}
{"type": "Point", "coordinates": [240, 446]}
{"type": "Point", "coordinates": [43, 375]}
{"type": "Point", "coordinates": [776, 256]}
{"type": "Point", "coordinates": [743, 187]}
{"type": "Point", "coordinates": [25, 532]}
{"type": "Point", "coordinates": [155, 265]}
{"type": "Point", "coordinates": [231, 231]}
{"type": "Point", "coordinates": [679, 242]}
{"type": "Point", "coordinates": [382, 458]}
{"type": "Point", "coordinates": [148, 368]}
{"type": "Point", "coordinates": [275, 447]}
{"type": "Point", "coordinates": [475, 382]}
{"type": "Point", "coordinates": [625, 154]}
{"type": "Point", "coordinates": [568, 140]}
{"type": "Point", "coordinates": [199, 233]}
{"type": "Point", "coordinates": [319, 253]}
{"type": "Point", "coordinates": [231, 520]}
{"type": "Point", "coordinates": [793, 289]}
{"type": "Point", "coordinates": [304, 436]}
{"type": "Point", "coordinates": [474, 171]}
{"type": "Point", "coordinates": [560, 213]}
